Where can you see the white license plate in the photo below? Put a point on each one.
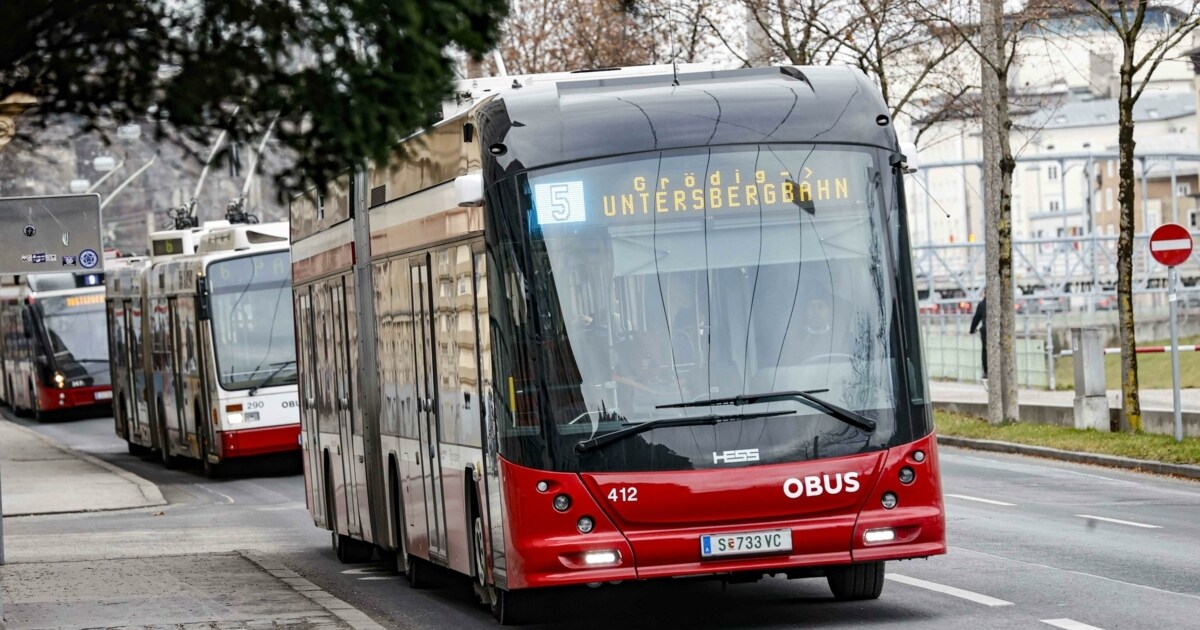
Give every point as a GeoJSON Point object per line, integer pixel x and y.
{"type": "Point", "coordinates": [104, 395]}
{"type": "Point", "coordinates": [745, 543]}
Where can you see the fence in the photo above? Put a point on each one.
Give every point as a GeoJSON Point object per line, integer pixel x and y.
{"type": "Point", "coordinates": [952, 353]}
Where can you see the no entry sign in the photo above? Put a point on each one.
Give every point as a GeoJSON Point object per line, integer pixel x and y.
{"type": "Point", "coordinates": [1171, 244]}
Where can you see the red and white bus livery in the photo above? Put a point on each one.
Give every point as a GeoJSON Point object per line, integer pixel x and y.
{"type": "Point", "coordinates": [203, 345]}
{"type": "Point", "coordinates": [53, 360]}
{"type": "Point", "coordinates": [622, 325]}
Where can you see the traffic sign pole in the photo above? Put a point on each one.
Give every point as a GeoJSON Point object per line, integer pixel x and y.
{"type": "Point", "coordinates": [1171, 245]}
{"type": "Point", "coordinates": [1173, 298]}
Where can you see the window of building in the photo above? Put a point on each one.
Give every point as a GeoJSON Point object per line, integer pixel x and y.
{"type": "Point", "coordinates": [1052, 172]}
{"type": "Point", "coordinates": [1108, 197]}
{"type": "Point", "coordinates": [1112, 167]}
{"type": "Point", "coordinates": [1054, 207]}
{"type": "Point", "coordinates": [1183, 190]}
{"type": "Point", "coordinates": [1192, 218]}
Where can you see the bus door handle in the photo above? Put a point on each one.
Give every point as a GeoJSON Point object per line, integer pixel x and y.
{"type": "Point", "coordinates": [343, 403]}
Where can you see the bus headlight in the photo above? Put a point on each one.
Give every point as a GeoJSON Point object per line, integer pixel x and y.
{"type": "Point", "coordinates": [239, 418]}
{"type": "Point", "coordinates": [59, 379]}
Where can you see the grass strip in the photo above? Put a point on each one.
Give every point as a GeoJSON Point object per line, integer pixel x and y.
{"type": "Point", "coordinates": [1161, 448]}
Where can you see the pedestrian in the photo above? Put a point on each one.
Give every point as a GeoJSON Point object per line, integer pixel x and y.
{"type": "Point", "coordinates": [979, 321]}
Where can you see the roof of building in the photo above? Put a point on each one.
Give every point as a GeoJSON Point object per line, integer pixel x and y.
{"type": "Point", "coordinates": [1164, 105]}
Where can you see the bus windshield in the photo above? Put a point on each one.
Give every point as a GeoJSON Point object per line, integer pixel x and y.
{"type": "Point", "coordinates": [253, 335]}
{"type": "Point", "coordinates": [79, 352]}
{"type": "Point", "coordinates": [693, 275]}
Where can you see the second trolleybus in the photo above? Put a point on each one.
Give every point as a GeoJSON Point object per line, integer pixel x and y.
{"type": "Point", "coordinates": [203, 345]}
{"type": "Point", "coordinates": [617, 326]}
{"type": "Point", "coordinates": [52, 360]}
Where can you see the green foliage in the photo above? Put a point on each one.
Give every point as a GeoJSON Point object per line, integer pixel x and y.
{"type": "Point", "coordinates": [1161, 448]}
{"type": "Point", "coordinates": [346, 78]}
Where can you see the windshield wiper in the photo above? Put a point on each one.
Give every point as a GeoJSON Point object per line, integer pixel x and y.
{"type": "Point", "coordinates": [608, 438]}
{"type": "Point", "coordinates": [852, 418]}
{"type": "Point", "coordinates": [263, 382]}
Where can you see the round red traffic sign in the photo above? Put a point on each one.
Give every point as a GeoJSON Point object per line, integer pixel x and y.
{"type": "Point", "coordinates": [1171, 244]}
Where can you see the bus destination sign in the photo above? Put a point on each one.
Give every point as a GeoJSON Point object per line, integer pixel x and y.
{"type": "Point", "coordinates": [719, 191]}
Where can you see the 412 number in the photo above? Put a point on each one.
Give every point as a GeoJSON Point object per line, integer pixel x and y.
{"type": "Point", "coordinates": [622, 494]}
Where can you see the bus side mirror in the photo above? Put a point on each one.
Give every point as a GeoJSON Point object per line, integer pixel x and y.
{"type": "Point", "coordinates": [906, 160]}
{"type": "Point", "coordinates": [468, 189]}
{"type": "Point", "coordinates": [202, 311]}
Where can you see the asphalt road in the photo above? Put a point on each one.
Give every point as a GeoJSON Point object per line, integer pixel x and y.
{"type": "Point", "coordinates": [1034, 544]}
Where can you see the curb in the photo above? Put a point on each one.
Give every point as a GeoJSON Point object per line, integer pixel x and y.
{"type": "Point", "coordinates": [1112, 461]}
{"type": "Point", "coordinates": [355, 618]}
{"type": "Point", "coordinates": [149, 491]}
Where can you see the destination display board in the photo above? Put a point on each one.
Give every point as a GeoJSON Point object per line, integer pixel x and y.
{"type": "Point", "coordinates": [52, 234]}
{"type": "Point", "coordinates": [681, 185]}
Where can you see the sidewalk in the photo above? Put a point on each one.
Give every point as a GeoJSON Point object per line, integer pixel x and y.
{"type": "Point", "coordinates": [41, 476]}
{"type": "Point", "coordinates": [1058, 407]}
{"type": "Point", "coordinates": [241, 590]}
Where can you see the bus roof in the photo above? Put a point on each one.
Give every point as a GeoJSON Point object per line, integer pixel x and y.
{"type": "Point", "coordinates": [558, 122]}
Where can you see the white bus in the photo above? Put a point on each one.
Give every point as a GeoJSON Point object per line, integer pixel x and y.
{"type": "Point", "coordinates": [207, 340]}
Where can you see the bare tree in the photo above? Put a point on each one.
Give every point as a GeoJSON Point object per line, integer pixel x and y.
{"type": "Point", "coordinates": [564, 35]}
{"type": "Point", "coordinates": [994, 36]}
{"type": "Point", "coordinates": [912, 55]}
{"type": "Point", "coordinates": [1142, 50]}
{"type": "Point", "coordinates": [797, 32]}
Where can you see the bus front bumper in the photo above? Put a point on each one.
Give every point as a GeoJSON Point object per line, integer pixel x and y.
{"type": "Point", "coordinates": [260, 441]}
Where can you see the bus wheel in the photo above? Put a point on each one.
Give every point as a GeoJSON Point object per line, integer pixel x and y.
{"type": "Point", "coordinates": [856, 581]}
{"type": "Point", "coordinates": [211, 470]}
{"type": "Point", "coordinates": [417, 573]}
{"type": "Point", "coordinates": [351, 551]}
{"type": "Point", "coordinates": [510, 608]}
{"type": "Point", "coordinates": [480, 557]}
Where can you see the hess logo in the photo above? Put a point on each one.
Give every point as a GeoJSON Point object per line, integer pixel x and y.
{"type": "Point", "coordinates": [736, 456]}
{"type": "Point", "coordinates": [816, 485]}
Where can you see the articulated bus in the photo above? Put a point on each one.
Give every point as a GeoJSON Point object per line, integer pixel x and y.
{"type": "Point", "coordinates": [622, 325]}
{"type": "Point", "coordinates": [53, 360]}
{"type": "Point", "coordinates": [203, 345]}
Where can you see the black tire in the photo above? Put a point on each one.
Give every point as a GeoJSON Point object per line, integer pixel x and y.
{"type": "Point", "coordinates": [418, 572]}
{"type": "Point", "coordinates": [352, 551]}
{"type": "Point", "coordinates": [211, 470]}
{"type": "Point", "coordinates": [856, 581]}
{"type": "Point", "coordinates": [511, 608]}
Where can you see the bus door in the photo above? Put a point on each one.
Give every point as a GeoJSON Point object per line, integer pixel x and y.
{"type": "Point", "coordinates": [427, 407]}
{"type": "Point", "coordinates": [130, 395]}
{"type": "Point", "coordinates": [344, 401]}
{"type": "Point", "coordinates": [178, 391]}
{"type": "Point", "coordinates": [306, 355]}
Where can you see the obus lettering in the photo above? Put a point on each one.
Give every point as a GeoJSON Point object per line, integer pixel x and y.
{"type": "Point", "coordinates": [816, 485]}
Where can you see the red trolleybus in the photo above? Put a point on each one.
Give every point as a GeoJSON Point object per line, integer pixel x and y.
{"type": "Point", "coordinates": [55, 359]}
{"type": "Point", "coordinates": [608, 327]}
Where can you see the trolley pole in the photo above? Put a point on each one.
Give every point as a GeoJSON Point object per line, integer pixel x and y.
{"type": "Point", "coordinates": [1173, 299]}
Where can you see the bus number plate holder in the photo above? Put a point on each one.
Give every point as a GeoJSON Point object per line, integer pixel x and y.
{"type": "Point", "coordinates": [772, 541]}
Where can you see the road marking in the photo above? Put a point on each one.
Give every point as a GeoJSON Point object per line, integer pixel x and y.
{"type": "Point", "coordinates": [967, 498]}
{"type": "Point", "coordinates": [1119, 521]}
{"type": "Point", "coordinates": [220, 494]}
{"type": "Point", "coordinates": [380, 577]}
{"type": "Point", "coordinates": [949, 590]}
{"type": "Point", "coordinates": [368, 570]}
{"type": "Point", "coordinates": [1072, 572]}
{"type": "Point", "coordinates": [1069, 624]}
